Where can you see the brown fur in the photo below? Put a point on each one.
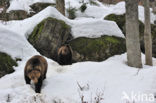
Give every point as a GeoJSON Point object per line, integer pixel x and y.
{"type": "Point", "coordinates": [63, 50]}
{"type": "Point", "coordinates": [64, 55]}
{"type": "Point", "coordinates": [35, 70]}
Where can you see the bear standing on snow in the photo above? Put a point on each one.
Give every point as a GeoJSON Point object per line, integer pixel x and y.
{"type": "Point", "coordinates": [35, 70]}
{"type": "Point", "coordinates": [64, 55]}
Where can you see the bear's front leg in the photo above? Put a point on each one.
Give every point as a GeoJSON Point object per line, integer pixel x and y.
{"type": "Point", "coordinates": [27, 80]}
{"type": "Point", "coordinates": [38, 86]}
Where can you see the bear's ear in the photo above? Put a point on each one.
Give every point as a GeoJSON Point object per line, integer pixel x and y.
{"type": "Point", "coordinates": [70, 49]}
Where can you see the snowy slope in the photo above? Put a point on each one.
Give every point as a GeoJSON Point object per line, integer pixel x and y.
{"type": "Point", "coordinates": [107, 79]}
{"type": "Point", "coordinates": [15, 44]}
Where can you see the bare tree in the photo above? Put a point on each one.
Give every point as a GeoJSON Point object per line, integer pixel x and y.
{"type": "Point", "coordinates": [132, 34]}
{"type": "Point", "coordinates": [60, 6]}
{"type": "Point", "coordinates": [147, 34]}
{"type": "Point", "coordinates": [154, 5]}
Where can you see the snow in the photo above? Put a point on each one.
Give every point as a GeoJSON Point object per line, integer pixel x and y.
{"type": "Point", "coordinates": [62, 82]}
{"type": "Point", "coordinates": [24, 4]}
{"type": "Point", "coordinates": [90, 20]}
{"type": "Point", "coordinates": [67, 84]}
{"type": "Point", "coordinates": [16, 41]}
{"type": "Point", "coordinates": [105, 10]}
{"type": "Point", "coordinates": [90, 12]}
{"type": "Point", "coordinates": [95, 28]}
{"type": "Point", "coordinates": [89, 27]}
{"type": "Point", "coordinates": [1, 9]}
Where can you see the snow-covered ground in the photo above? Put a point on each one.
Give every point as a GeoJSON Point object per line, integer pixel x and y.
{"type": "Point", "coordinates": [108, 80]}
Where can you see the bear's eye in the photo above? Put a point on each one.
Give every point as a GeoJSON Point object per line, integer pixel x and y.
{"type": "Point", "coordinates": [36, 69]}
{"type": "Point", "coordinates": [29, 70]}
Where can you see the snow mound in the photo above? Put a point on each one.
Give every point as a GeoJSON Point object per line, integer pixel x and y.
{"type": "Point", "coordinates": [80, 27]}
{"type": "Point", "coordinates": [14, 44]}
{"type": "Point", "coordinates": [95, 28]}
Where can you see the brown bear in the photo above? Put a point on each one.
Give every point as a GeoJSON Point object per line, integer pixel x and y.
{"type": "Point", "coordinates": [35, 70]}
{"type": "Point", "coordinates": [64, 55]}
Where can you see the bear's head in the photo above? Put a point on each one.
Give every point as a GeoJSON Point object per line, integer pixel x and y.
{"type": "Point", "coordinates": [64, 50]}
{"type": "Point", "coordinates": [34, 74]}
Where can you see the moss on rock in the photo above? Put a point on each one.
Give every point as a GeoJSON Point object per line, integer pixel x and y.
{"type": "Point", "coordinates": [35, 35]}
{"type": "Point", "coordinates": [98, 49]}
{"type": "Point", "coordinates": [120, 20]}
{"type": "Point", "coordinates": [14, 15]}
{"type": "Point", "coordinates": [37, 30]}
{"type": "Point", "coordinates": [49, 35]}
{"type": "Point", "coordinates": [6, 64]}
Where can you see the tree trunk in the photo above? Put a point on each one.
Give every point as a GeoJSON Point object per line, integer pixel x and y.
{"type": "Point", "coordinates": [60, 6]}
{"type": "Point", "coordinates": [132, 34]}
{"type": "Point", "coordinates": [147, 34]}
{"type": "Point", "coordinates": [154, 6]}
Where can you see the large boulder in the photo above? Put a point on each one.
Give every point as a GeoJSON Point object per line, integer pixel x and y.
{"type": "Point", "coordinates": [37, 7]}
{"type": "Point", "coordinates": [20, 14]}
{"type": "Point", "coordinates": [49, 35]}
{"type": "Point", "coordinates": [4, 4]}
{"type": "Point", "coordinates": [120, 20]}
{"type": "Point", "coordinates": [97, 49]}
{"type": "Point", "coordinates": [6, 64]}
{"type": "Point", "coordinates": [14, 15]}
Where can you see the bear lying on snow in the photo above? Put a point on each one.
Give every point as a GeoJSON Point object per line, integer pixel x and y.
{"type": "Point", "coordinates": [35, 70]}
{"type": "Point", "coordinates": [64, 55]}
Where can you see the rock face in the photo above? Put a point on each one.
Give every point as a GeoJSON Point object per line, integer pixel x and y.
{"type": "Point", "coordinates": [20, 14]}
{"type": "Point", "coordinates": [120, 20]}
{"type": "Point", "coordinates": [97, 49]}
{"type": "Point", "coordinates": [14, 15]}
{"type": "Point", "coordinates": [37, 7]}
{"type": "Point", "coordinates": [49, 35]}
{"type": "Point", "coordinates": [4, 4]}
{"type": "Point", "coordinates": [6, 64]}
